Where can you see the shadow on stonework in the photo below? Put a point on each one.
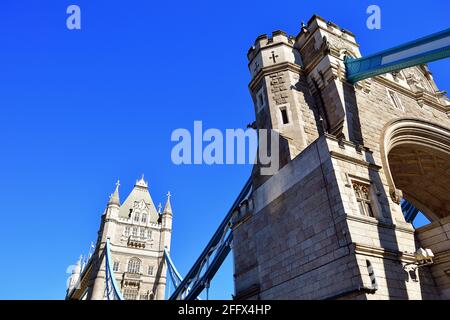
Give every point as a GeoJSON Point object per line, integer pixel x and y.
{"type": "Point", "coordinates": [394, 274]}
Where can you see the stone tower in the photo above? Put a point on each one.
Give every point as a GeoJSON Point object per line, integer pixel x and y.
{"type": "Point", "coordinates": [328, 224]}
{"type": "Point", "coordinates": [138, 234]}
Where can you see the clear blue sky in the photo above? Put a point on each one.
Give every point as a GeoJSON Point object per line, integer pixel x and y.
{"type": "Point", "coordinates": [80, 109]}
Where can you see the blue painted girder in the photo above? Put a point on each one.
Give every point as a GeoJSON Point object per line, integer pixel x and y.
{"type": "Point", "coordinates": [427, 49]}
{"type": "Point", "coordinates": [410, 212]}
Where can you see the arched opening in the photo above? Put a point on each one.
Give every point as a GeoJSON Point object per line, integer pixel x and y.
{"type": "Point", "coordinates": [416, 158]}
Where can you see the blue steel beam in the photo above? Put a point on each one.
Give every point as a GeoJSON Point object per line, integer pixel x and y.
{"type": "Point", "coordinates": [213, 243]}
{"type": "Point", "coordinates": [427, 49]}
{"type": "Point", "coordinates": [219, 258]}
{"type": "Point", "coordinates": [409, 211]}
{"type": "Point", "coordinates": [112, 293]}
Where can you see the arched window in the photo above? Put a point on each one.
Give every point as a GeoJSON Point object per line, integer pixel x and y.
{"type": "Point", "coordinates": [134, 265]}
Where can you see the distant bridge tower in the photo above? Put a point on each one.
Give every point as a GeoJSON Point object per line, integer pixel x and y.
{"type": "Point", "coordinates": [138, 234]}
{"type": "Point", "coordinates": [329, 225]}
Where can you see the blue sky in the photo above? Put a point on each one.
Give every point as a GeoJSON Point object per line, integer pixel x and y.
{"type": "Point", "coordinates": [80, 109]}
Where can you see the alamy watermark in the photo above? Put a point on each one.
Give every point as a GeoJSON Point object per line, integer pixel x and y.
{"type": "Point", "coordinates": [234, 146]}
{"type": "Point", "coordinates": [73, 21]}
{"type": "Point", "coordinates": [374, 20]}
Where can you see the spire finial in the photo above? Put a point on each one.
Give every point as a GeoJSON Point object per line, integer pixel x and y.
{"type": "Point", "coordinates": [168, 207]}
{"type": "Point", "coordinates": [159, 207]}
{"type": "Point", "coordinates": [114, 198]}
{"type": "Point", "coordinates": [141, 182]}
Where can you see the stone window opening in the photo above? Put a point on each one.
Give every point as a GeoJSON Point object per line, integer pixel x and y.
{"type": "Point", "coordinates": [127, 231]}
{"type": "Point", "coordinates": [363, 198]}
{"type": "Point", "coordinates": [130, 294]}
{"type": "Point", "coordinates": [134, 266]}
{"type": "Point", "coordinates": [144, 218]}
{"type": "Point", "coordinates": [284, 115]}
{"type": "Point", "coordinates": [116, 266]}
{"type": "Point", "coordinates": [142, 233]}
{"type": "Point", "coordinates": [136, 217]}
{"type": "Point", "coordinates": [371, 272]}
{"type": "Point", "coordinates": [395, 100]}
{"type": "Point", "coordinates": [135, 231]}
{"type": "Point", "coordinates": [260, 99]}
{"type": "Point", "coordinates": [150, 270]}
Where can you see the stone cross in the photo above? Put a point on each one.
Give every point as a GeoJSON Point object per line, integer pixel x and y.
{"type": "Point", "coordinates": [273, 57]}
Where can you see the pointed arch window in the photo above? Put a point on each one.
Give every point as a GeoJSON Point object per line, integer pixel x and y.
{"type": "Point", "coordinates": [150, 270]}
{"type": "Point", "coordinates": [362, 193]}
{"type": "Point", "coordinates": [134, 265]}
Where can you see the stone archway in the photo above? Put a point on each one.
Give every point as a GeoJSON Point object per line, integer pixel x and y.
{"type": "Point", "coordinates": [416, 160]}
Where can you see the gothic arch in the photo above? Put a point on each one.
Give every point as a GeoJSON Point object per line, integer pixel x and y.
{"type": "Point", "coordinates": [416, 159]}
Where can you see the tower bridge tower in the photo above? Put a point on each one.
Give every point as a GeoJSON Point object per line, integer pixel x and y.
{"type": "Point", "coordinates": [328, 224]}
{"type": "Point", "coordinates": [138, 234]}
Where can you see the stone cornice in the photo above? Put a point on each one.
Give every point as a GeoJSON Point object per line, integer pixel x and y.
{"type": "Point", "coordinates": [378, 252]}
{"type": "Point", "coordinates": [381, 224]}
{"type": "Point", "coordinates": [273, 69]}
{"type": "Point", "coordinates": [421, 97]}
{"type": "Point", "coordinates": [351, 159]}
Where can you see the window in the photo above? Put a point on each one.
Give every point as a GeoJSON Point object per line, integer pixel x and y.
{"type": "Point", "coordinates": [260, 99]}
{"type": "Point", "coordinates": [284, 116]}
{"type": "Point", "coordinates": [130, 294]}
{"type": "Point", "coordinates": [362, 193]}
{"type": "Point", "coordinates": [144, 217]}
{"type": "Point", "coordinates": [149, 233]}
{"type": "Point", "coordinates": [134, 265]}
{"type": "Point", "coordinates": [395, 100]}
{"type": "Point", "coordinates": [371, 273]}
{"type": "Point", "coordinates": [142, 233]}
{"type": "Point", "coordinates": [136, 217]}
{"type": "Point", "coordinates": [116, 266]}
{"type": "Point", "coordinates": [150, 270]}
{"type": "Point", "coordinates": [135, 231]}
{"type": "Point", "coordinates": [127, 231]}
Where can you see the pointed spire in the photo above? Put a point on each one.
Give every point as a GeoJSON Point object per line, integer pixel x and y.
{"type": "Point", "coordinates": [168, 207]}
{"type": "Point", "coordinates": [141, 182]}
{"type": "Point", "coordinates": [114, 198]}
{"type": "Point", "coordinates": [159, 208]}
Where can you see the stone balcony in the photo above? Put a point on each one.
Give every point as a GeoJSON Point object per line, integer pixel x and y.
{"type": "Point", "coordinates": [136, 242]}
{"type": "Point", "coordinates": [131, 279]}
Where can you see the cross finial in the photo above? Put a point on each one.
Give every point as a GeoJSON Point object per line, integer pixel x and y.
{"type": "Point", "coordinates": [274, 57]}
{"type": "Point", "coordinates": [169, 194]}
{"type": "Point", "coordinates": [118, 183]}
